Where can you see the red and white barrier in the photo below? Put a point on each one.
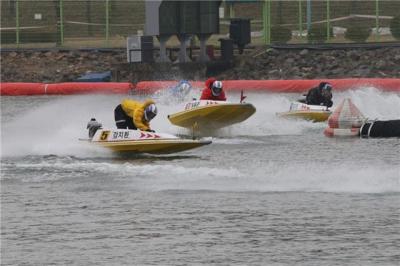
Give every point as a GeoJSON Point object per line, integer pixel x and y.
{"type": "Point", "coordinates": [297, 86]}
{"type": "Point", "coordinates": [148, 87]}
{"type": "Point", "coordinates": [22, 88]}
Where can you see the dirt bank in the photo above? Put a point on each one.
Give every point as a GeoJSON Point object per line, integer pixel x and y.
{"type": "Point", "coordinates": [261, 63]}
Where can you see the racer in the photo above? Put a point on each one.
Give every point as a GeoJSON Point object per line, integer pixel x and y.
{"type": "Point", "coordinates": [213, 90]}
{"type": "Point", "coordinates": [132, 114]}
{"type": "Point", "coordinates": [320, 95]}
{"type": "Point", "coordinates": [93, 126]}
{"type": "Point", "coordinates": [181, 90]}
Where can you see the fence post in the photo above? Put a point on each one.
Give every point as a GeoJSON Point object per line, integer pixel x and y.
{"type": "Point", "coordinates": [231, 11]}
{"type": "Point", "coordinates": [377, 20]}
{"type": "Point", "coordinates": [267, 21]}
{"type": "Point", "coordinates": [308, 15]}
{"type": "Point", "coordinates": [264, 21]}
{"type": "Point", "coordinates": [61, 22]}
{"type": "Point", "coordinates": [328, 17]}
{"type": "Point", "coordinates": [107, 22]}
{"type": "Point", "coordinates": [300, 20]}
{"type": "Point", "coordinates": [17, 22]}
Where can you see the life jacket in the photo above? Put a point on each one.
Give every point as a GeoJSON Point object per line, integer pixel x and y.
{"type": "Point", "coordinates": [135, 110]}
{"type": "Point", "coordinates": [207, 95]}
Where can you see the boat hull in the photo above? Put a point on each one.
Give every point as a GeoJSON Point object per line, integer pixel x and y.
{"type": "Point", "coordinates": [213, 116]}
{"type": "Point", "coordinates": [316, 116]}
{"type": "Point", "coordinates": [315, 113]}
{"type": "Point", "coordinates": [153, 146]}
{"type": "Point", "coordinates": [136, 141]}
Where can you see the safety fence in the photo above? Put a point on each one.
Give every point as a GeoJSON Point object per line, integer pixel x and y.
{"type": "Point", "coordinates": [107, 23]}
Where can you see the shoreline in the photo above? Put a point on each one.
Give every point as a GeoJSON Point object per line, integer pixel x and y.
{"type": "Point", "coordinates": [260, 63]}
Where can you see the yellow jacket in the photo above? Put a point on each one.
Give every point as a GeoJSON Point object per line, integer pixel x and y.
{"type": "Point", "coordinates": [135, 110]}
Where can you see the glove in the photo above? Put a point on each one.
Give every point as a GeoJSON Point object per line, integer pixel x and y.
{"type": "Point", "coordinates": [150, 130]}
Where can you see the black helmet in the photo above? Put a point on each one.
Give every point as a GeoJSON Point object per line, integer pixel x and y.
{"type": "Point", "coordinates": [150, 112]}
{"type": "Point", "coordinates": [216, 88]}
{"type": "Point", "coordinates": [325, 86]}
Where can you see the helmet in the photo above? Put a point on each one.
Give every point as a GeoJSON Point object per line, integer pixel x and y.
{"type": "Point", "coordinates": [150, 112]}
{"type": "Point", "coordinates": [326, 90]}
{"type": "Point", "coordinates": [325, 86]}
{"type": "Point", "coordinates": [216, 88]}
{"type": "Point", "coordinates": [184, 87]}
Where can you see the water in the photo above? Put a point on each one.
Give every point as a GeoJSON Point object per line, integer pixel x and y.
{"type": "Point", "coordinates": [266, 192]}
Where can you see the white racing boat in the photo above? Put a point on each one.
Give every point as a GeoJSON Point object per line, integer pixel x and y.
{"type": "Point", "coordinates": [136, 141]}
{"type": "Point", "coordinates": [316, 113]}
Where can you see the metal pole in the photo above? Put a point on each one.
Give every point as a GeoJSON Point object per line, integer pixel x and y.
{"type": "Point", "coordinates": [264, 20]}
{"type": "Point", "coordinates": [61, 22]}
{"type": "Point", "coordinates": [269, 21]}
{"type": "Point", "coordinates": [17, 21]}
{"type": "Point", "coordinates": [308, 15]}
{"type": "Point", "coordinates": [300, 20]}
{"type": "Point", "coordinates": [328, 17]}
{"type": "Point", "coordinates": [231, 11]}
{"type": "Point", "coordinates": [107, 22]}
{"type": "Point", "coordinates": [377, 20]}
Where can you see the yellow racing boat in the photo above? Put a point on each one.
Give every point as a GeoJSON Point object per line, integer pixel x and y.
{"type": "Point", "coordinates": [315, 113]}
{"type": "Point", "coordinates": [136, 141]}
{"type": "Point", "coordinates": [211, 115]}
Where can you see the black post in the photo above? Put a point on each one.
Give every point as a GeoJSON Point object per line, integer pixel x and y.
{"type": "Point", "coordinates": [89, 17]}
{"type": "Point", "coordinates": [58, 22]}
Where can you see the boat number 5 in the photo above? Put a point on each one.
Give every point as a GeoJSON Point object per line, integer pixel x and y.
{"type": "Point", "coordinates": [104, 135]}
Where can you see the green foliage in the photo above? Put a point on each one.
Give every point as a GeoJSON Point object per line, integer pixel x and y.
{"type": "Point", "coordinates": [280, 34]}
{"type": "Point", "coordinates": [318, 32]}
{"type": "Point", "coordinates": [357, 32]}
{"type": "Point", "coordinates": [395, 27]}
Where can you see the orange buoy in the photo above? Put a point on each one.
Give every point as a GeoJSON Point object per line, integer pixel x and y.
{"type": "Point", "coordinates": [346, 120]}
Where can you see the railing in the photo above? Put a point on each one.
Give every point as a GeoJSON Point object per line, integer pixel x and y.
{"type": "Point", "coordinates": [107, 23]}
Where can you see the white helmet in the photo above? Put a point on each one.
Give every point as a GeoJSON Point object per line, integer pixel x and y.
{"type": "Point", "coordinates": [216, 88]}
{"type": "Point", "coordinates": [150, 112]}
{"type": "Point", "coordinates": [184, 87]}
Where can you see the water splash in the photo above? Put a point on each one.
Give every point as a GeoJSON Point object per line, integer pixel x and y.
{"type": "Point", "coordinates": [271, 177]}
{"type": "Point", "coordinates": [372, 103]}
{"type": "Point", "coordinates": [52, 125]}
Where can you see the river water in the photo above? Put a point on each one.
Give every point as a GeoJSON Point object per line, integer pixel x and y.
{"type": "Point", "coordinates": [268, 191]}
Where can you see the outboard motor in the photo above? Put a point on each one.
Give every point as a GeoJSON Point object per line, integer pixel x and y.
{"type": "Point", "coordinates": [93, 126]}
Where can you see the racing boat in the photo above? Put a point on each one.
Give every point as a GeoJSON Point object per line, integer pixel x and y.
{"type": "Point", "coordinates": [315, 113]}
{"type": "Point", "coordinates": [211, 115]}
{"type": "Point", "coordinates": [136, 141]}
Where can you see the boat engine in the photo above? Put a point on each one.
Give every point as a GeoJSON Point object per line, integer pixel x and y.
{"type": "Point", "coordinates": [93, 126]}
